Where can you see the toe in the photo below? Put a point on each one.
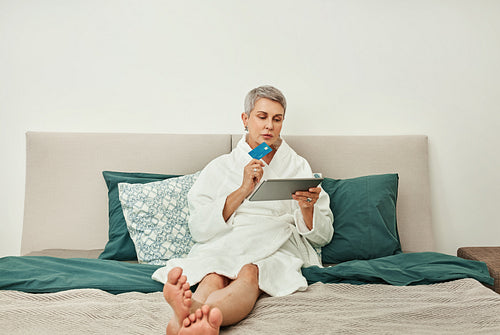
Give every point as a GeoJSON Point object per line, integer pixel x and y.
{"type": "Point", "coordinates": [188, 294]}
{"type": "Point", "coordinates": [182, 280]}
{"type": "Point", "coordinates": [205, 309]}
{"type": "Point", "coordinates": [174, 275]}
{"type": "Point", "coordinates": [187, 303]}
{"type": "Point", "coordinates": [215, 317]}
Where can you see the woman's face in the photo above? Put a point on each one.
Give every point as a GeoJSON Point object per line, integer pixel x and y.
{"type": "Point", "coordinates": [264, 123]}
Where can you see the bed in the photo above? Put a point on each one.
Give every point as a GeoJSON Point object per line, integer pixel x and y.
{"type": "Point", "coordinates": [79, 275]}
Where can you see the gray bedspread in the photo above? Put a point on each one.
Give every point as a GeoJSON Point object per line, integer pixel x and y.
{"type": "Point", "coordinates": [458, 307]}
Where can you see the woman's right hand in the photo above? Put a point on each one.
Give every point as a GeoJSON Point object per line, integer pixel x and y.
{"type": "Point", "coordinates": [252, 174]}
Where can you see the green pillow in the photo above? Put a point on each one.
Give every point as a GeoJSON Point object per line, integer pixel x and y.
{"type": "Point", "coordinates": [120, 246]}
{"type": "Point", "coordinates": [364, 211]}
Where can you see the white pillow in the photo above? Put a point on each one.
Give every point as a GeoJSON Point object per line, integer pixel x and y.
{"type": "Point", "coordinates": [157, 217]}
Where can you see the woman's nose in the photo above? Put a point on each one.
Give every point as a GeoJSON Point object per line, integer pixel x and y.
{"type": "Point", "coordinates": [269, 124]}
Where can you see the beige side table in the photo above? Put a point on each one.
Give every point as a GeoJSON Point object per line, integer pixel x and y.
{"type": "Point", "coordinates": [489, 255]}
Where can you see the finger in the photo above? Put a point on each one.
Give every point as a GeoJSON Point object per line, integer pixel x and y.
{"type": "Point", "coordinates": [256, 161]}
{"type": "Point", "coordinates": [257, 168]}
{"type": "Point", "coordinates": [306, 194]}
{"type": "Point", "coordinates": [305, 200]}
{"type": "Point", "coordinates": [258, 177]}
{"type": "Point", "coordinates": [254, 167]}
{"type": "Point", "coordinates": [301, 198]}
{"type": "Point", "coordinates": [305, 204]}
{"type": "Point", "coordinates": [252, 173]}
{"type": "Point", "coordinates": [316, 190]}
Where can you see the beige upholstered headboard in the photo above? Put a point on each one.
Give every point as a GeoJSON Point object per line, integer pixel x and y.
{"type": "Point", "coordinates": [66, 196]}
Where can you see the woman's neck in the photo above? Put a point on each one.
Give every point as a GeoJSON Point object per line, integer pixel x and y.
{"type": "Point", "coordinates": [269, 157]}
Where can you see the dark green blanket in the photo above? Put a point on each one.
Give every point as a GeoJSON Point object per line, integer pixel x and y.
{"type": "Point", "coordinates": [401, 270]}
{"type": "Point", "coordinates": [41, 274]}
{"type": "Point", "coordinates": [37, 274]}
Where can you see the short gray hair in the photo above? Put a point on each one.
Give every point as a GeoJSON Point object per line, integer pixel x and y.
{"type": "Point", "coordinates": [266, 91]}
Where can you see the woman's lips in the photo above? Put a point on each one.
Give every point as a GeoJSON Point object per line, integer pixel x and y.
{"type": "Point", "coordinates": [267, 136]}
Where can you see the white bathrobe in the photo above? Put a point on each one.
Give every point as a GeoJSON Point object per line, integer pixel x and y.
{"type": "Point", "coordinates": [269, 234]}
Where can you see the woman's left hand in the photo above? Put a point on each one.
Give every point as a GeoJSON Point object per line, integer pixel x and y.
{"type": "Point", "coordinates": [307, 199]}
{"type": "Point", "coordinates": [306, 202]}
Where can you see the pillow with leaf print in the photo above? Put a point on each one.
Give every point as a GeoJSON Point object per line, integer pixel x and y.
{"type": "Point", "coordinates": [157, 216]}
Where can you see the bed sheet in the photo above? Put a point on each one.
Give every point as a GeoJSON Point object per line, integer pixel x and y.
{"type": "Point", "coordinates": [456, 307]}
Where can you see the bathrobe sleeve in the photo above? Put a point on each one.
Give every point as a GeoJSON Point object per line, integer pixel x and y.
{"type": "Point", "coordinates": [207, 199]}
{"type": "Point", "coordinates": [322, 231]}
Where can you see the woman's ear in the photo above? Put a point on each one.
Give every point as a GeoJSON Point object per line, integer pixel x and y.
{"type": "Point", "coordinates": [244, 118]}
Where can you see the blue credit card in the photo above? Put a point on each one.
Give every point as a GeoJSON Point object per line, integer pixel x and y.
{"type": "Point", "coordinates": [260, 151]}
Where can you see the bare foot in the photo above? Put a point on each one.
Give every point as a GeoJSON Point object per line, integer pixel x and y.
{"type": "Point", "coordinates": [204, 321]}
{"type": "Point", "coordinates": [176, 292]}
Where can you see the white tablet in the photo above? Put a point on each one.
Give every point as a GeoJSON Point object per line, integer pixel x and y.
{"type": "Point", "coordinates": [282, 189]}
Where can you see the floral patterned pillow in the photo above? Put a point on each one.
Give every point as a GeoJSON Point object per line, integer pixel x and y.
{"type": "Point", "coordinates": [157, 216]}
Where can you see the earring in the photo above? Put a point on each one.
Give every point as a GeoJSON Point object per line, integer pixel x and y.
{"type": "Point", "coordinates": [246, 128]}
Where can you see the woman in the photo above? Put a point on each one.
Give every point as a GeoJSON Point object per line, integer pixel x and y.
{"type": "Point", "coordinates": [245, 248]}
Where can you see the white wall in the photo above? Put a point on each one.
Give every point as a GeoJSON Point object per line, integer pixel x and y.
{"type": "Point", "coordinates": [347, 67]}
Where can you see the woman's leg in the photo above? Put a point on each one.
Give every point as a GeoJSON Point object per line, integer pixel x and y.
{"type": "Point", "coordinates": [234, 300]}
{"type": "Point", "coordinates": [237, 299]}
{"type": "Point", "coordinates": [210, 283]}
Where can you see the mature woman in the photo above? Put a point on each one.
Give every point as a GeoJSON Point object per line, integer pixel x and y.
{"type": "Point", "coordinates": [244, 247]}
